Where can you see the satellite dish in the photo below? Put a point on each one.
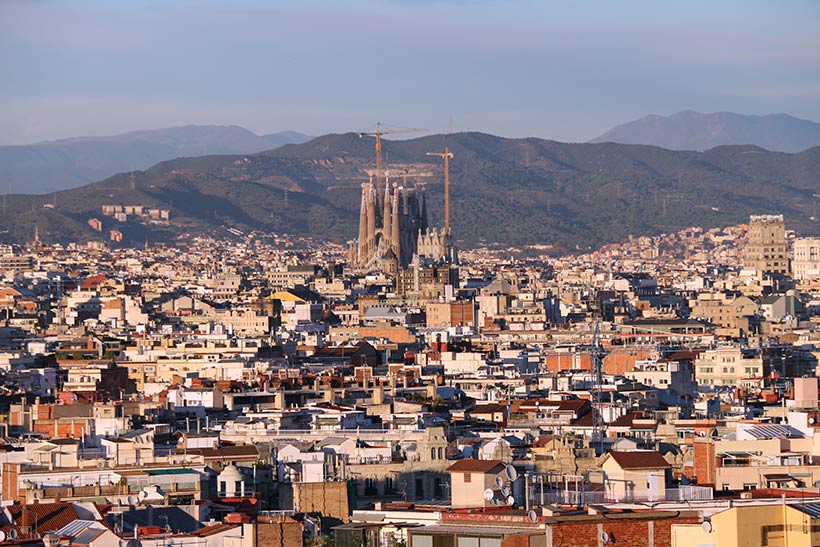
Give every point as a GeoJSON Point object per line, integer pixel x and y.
{"type": "Point", "coordinates": [132, 500]}
{"type": "Point", "coordinates": [707, 526]}
{"type": "Point", "coordinates": [489, 494]}
{"type": "Point", "coordinates": [604, 536]}
{"type": "Point", "coordinates": [496, 501]}
{"type": "Point", "coordinates": [505, 491]}
{"type": "Point", "coordinates": [512, 474]}
{"type": "Point", "coordinates": [499, 482]}
{"type": "Point", "coordinates": [12, 534]}
{"type": "Point", "coordinates": [532, 515]}
{"type": "Point", "coordinates": [510, 500]}
{"type": "Point", "coordinates": [811, 420]}
{"type": "Point", "coordinates": [2, 536]}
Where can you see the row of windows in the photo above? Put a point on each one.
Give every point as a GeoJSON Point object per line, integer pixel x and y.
{"type": "Point", "coordinates": [729, 370]}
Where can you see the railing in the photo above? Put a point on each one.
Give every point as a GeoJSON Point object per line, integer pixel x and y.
{"type": "Point", "coordinates": [587, 497]}
{"type": "Point", "coordinates": [296, 433]}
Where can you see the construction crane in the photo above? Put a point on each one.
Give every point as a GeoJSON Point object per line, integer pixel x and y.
{"type": "Point", "coordinates": [446, 155]}
{"type": "Point", "coordinates": [378, 134]}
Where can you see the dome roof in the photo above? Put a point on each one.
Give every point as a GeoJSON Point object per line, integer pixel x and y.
{"type": "Point", "coordinates": [231, 474]}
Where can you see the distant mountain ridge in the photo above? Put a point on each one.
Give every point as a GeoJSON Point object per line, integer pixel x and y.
{"type": "Point", "coordinates": [690, 130]}
{"type": "Point", "coordinates": [510, 191]}
{"type": "Point", "coordinates": [50, 166]}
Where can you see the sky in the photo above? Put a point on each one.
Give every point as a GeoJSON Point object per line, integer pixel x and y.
{"type": "Point", "coordinates": [561, 70]}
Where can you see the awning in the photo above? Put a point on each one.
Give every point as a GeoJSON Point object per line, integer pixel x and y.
{"type": "Point", "coordinates": [779, 477]}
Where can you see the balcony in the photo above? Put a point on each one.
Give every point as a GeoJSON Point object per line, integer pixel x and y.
{"type": "Point", "coordinates": [593, 494]}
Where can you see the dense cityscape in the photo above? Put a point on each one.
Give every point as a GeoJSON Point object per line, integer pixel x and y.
{"type": "Point", "coordinates": [267, 388]}
{"type": "Point", "coordinates": [392, 273]}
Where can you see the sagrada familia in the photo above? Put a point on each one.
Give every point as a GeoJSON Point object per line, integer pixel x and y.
{"type": "Point", "coordinates": [394, 232]}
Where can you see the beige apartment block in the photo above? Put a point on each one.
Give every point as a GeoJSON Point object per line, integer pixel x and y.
{"type": "Point", "coordinates": [806, 258]}
{"type": "Point", "coordinates": [729, 366]}
{"type": "Point", "coordinates": [766, 248]}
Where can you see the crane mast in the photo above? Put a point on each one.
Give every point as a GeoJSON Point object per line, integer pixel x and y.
{"type": "Point", "coordinates": [446, 155]}
{"type": "Point", "coordinates": [378, 134]}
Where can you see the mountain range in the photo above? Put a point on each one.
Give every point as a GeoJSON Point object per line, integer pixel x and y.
{"type": "Point", "coordinates": [690, 130]}
{"type": "Point", "coordinates": [509, 191]}
{"type": "Point", "coordinates": [57, 165]}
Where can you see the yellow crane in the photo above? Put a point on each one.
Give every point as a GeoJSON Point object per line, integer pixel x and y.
{"type": "Point", "coordinates": [446, 155]}
{"type": "Point", "coordinates": [378, 134]}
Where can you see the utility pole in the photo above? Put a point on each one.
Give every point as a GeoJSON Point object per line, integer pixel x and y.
{"type": "Point", "coordinates": [446, 155]}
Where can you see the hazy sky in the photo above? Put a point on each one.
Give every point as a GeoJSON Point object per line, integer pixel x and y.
{"type": "Point", "coordinates": [564, 70]}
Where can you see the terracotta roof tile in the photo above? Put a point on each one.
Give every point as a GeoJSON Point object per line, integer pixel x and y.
{"type": "Point", "coordinates": [476, 466]}
{"type": "Point", "coordinates": [639, 459]}
{"type": "Point", "coordinates": [46, 516]}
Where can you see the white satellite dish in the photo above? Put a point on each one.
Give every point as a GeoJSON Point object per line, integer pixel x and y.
{"type": "Point", "coordinates": [604, 537]}
{"type": "Point", "coordinates": [12, 534]}
{"type": "Point", "coordinates": [510, 500]}
{"type": "Point", "coordinates": [512, 474]}
{"type": "Point", "coordinates": [496, 501]}
{"type": "Point", "coordinates": [707, 526]}
{"type": "Point", "coordinates": [2, 536]}
{"type": "Point", "coordinates": [489, 494]}
{"type": "Point", "coordinates": [532, 515]}
{"type": "Point", "coordinates": [505, 491]}
{"type": "Point", "coordinates": [132, 500]}
{"type": "Point", "coordinates": [499, 482]}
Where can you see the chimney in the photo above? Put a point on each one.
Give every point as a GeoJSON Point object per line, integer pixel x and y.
{"type": "Point", "coordinates": [378, 395]}
{"type": "Point", "coordinates": [279, 399]}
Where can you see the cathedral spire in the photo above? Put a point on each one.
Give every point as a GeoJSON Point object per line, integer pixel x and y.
{"type": "Point", "coordinates": [387, 221]}
{"type": "Point", "coordinates": [394, 231]}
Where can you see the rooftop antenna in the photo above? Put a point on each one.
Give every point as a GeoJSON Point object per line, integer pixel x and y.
{"type": "Point", "coordinates": [59, 305]}
{"type": "Point", "coordinates": [597, 390]}
{"type": "Point", "coordinates": [133, 179]}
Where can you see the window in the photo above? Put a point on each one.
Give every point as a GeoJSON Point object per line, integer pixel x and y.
{"type": "Point", "coordinates": [468, 477]}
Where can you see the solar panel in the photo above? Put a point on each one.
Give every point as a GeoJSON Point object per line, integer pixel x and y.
{"type": "Point", "coordinates": [774, 431]}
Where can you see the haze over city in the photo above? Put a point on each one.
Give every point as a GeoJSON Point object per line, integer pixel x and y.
{"type": "Point", "coordinates": [557, 70]}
